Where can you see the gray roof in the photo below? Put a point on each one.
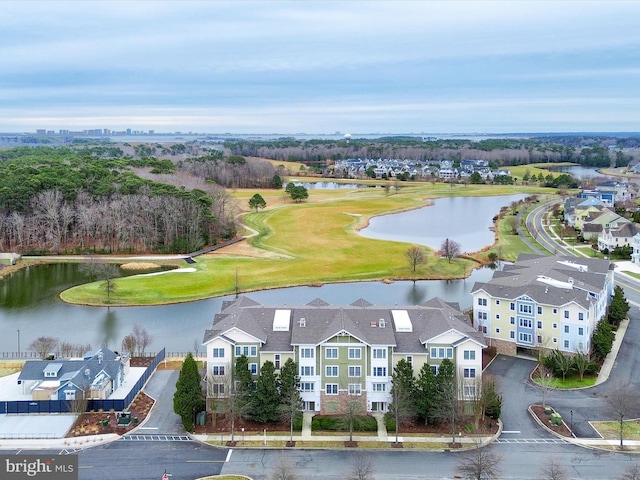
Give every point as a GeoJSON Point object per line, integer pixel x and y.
{"type": "Point", "coordinates": [523, 278]}
{"type": "Point", "coordinates": [73, 369]}
{"type": "Point", "coordinates": [319, 321]}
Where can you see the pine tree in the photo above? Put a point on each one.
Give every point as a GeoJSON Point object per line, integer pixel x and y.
{"type": "Point", "coordinates": [402, 389]}
{"type": "Point", "coordinates": [188, 398]}
{"type": "Point", "coordinates": [267, 397]}
{"type": "Point", "coordinates": [426, 389]}
{"type": "Point", "coordinates": [290, 400]}
{"type": "Point", "coordinates": [619, 306]}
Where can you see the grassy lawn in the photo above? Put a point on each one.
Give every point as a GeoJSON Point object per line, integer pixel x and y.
{"type": "Point", "coordinates": [312, 242]}
{"type": "Point", "coordinates": [9, 367]}
{"type": "Point", "coordinates": [611, 430]}
{"type": "Point", "coordinates": [572, 382]}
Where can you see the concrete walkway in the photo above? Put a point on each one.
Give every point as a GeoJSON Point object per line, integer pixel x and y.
{"type": "Point", "coordinates": [307, 418]}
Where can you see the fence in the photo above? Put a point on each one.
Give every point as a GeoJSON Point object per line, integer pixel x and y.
{"type": "Point", "coordinates": [63, 406]}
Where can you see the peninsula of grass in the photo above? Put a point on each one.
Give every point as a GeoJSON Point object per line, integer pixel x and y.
{"type": "Point", "coordinates": [308, 243]}
{"type": "Point", "coordinates": [571, 382]}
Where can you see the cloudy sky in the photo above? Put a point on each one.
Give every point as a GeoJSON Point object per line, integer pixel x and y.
{"type": "Point", "coordinates": [320, 67]}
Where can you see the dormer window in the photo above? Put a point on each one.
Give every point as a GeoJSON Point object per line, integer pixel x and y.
{"type": "Point", "coordinates": [302, 322]}
{"type": "Point", "coordinates": [382, 323]}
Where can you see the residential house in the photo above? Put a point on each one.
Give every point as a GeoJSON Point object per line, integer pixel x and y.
{"type": "Point", "coordinates": [543, 303]}
{"type": "Point", "coordinates": [586, 208]}
{"type": "Point", "coordinates": [342, 351]}
{"type": "Point", "coordinates": [94, 376]}
{"type": "Point", "coordinates": [617, 235]}
{"type": "Point", "coordinates": [594, 225]}
{"type": "Point", "coordinates": [635, 255]}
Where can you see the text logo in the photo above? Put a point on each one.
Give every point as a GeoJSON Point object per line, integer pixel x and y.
{"type": "Point", "coordinates": [50, 467]}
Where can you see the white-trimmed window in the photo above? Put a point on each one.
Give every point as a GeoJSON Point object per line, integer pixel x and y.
{"type": "Point", "coordinates": [355, 353]}
{"type": "Point", "coordinates": [355, 371]}
{"type": "Point", "coordinates": [566, 344]}
{"type": "Point", "coordinates": [525, 322]}
{"type": "Point", "coordinates": [539, 325]}
{"type": "Point", "coordinates": [306, 371]}
{"type": "Point", "coordinates": [331, 371]}
{"type": "Point", "coordinates": [242, 350]}
{"type": "Point", "coordinates": [217, 389]}
{"type": "Point", "coordinates": [566, 329]}
{"type": "Point", "coordinates": [254, 368]}
{"type": "Point", "coordinates": [539, 310]}
{"type": "Point", "coordinates": [566, 314]}
{"type": "Point", "coordinates": [512, 334]}
{"type": "Point", "coordinates": [331, 389]}
{"type": "Point", "coordinates": [379, 353]}
{"type": "Point", "coordinates": [307, 352]}
{"type": "Point", "coordinates": [482, 302]}
{"type": "Point", "coordinates": [307, 386]}
{"type": "Point", "coordinates": [379, 371]}
{"type": "Point", "coordinates": [525, 308]}
{"type": "Point", "coordinates": [379, 387]}
{"type": "Point", "coordinates": [276, 361]}
{"type": "Point", "coordinates": [254, 351]}
{"type": "Point", "coordinates": [217, 370]}
{"type": "Point", "coordinates": [580, 331]}
{"type": "Point", "coordinates": [218, 353]}
{"type": "Point", "coordinates": [469, 354]}
{"type": "Point", "coordinates": [469, 373]}
{"type": "Point", "coordinates": [469, 391]}
{"type": "Point", "coordinates": [355, 389]}
{"type": "Point", "coordinates": [524, 337]}
{"type": "Point", "coordinates": [331, 352]}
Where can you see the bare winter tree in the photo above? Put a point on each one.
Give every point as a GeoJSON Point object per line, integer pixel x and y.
{"type": "Point", "coordinates": [362, 467]}
{"type": "Point", "coordinates": [449, 249]}
{"type": "Point", "coordinates": [129, 345]}
{"type": "Point", "coordinates": [544, 379]}
{"type": "Point", "coordinates": [44, 346]}
{"type": "Point", "coordinates": [143, 339]}
{"type": "Point", "coordinates": [622, 402]}
{"type": "Point", "coordinates": [632, 472]}
{"type": "Point", "coordinates": [481, 463]}
{"type": "Point", "coordinates": [284, 469]}
{"type": "Point", "coordinates": [416, 256]}
{"type": "Point", "coordinates": [350, 411]}
{"type": "Point", "coordinates": [554, 470]}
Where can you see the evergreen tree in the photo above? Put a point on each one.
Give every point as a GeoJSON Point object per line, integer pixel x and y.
{"type": "Point", "coordinates": [619, 306]}
{"type": "Point", "coordinates": [276, 182]}
{"type": "Point", "coordinates": [267, 397]}
{"type": "Point", "coordinates": [188, 398]}
{"type": "Point", "coordinates": [244, 381]}
{"type": "Point", "coordinates": [426, 389]}
{"type": "Point", "coordinates": [402, 390]}
{"type": "Point", "coordinates": [447, 396]}
{"type": "Point", "coordinates": [290, 400]}
{"type": "Point", "coordinates": [257, 202]}
{"type": "Point", "coordinates": [602, 339]}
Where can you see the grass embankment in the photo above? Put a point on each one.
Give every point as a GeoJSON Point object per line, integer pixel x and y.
{"type": "Point", "coordinates": [9, 367]}
{"type": "Point", "coordinates": [571, 382]}
{"type": "Point", "coordinates": [312, 242]}
{"type": "Point", "coordinates": [611, 430]}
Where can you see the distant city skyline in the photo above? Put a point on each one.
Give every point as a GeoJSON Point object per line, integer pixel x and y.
{"type": "Point", "coordinates": [269, 67]}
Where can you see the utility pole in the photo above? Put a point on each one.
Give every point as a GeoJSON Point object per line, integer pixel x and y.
{"type": "Point", "coordinates": [19, 343]}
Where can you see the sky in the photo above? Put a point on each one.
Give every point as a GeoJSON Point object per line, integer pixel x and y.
{"type": "Point", "coordinates": [320, 67]}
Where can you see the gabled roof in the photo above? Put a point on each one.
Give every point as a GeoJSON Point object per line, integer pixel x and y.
{"type": "Point", "coordinates": [317, 322]}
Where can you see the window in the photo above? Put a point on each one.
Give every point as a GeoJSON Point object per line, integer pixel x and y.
{"type": "Point", "coordinates": [555, 325]}
{"type": "Point", "coordinates": [380, 371]}
{"type": "Point", "coordinates": [217, 370]}
{"type": "Point", "coordinates": [307, 386]}
{"type": "Point", "coordinates": [355, 371]}
{"type": "Point", "coordinates": [555, 310]}
{"type": "Point", "coordinates": [555, 340]}
{"type": "Point", "coordinates": [254, 368]}
{"type": "Point", "coordinates": [449, 352]}
{"type": "Point", "coordinates": [526, 322]}
{"type": "Point", "coordinates": [355, 353]}
{"type": "Point", "coordinates": [497, 316]}
{"type": "Point", "coordinates": [331, 389]}
{"type": "Point", "coordinates": [331, 352]}
{"type": "Point", "coordinates": [539, 310]}
{"type": "Point", "coordinates": [566, 329]}
{"type": "Point", "coordinates": [254, 351]}
{"type": "Point", "coordinates": [217, 389]}
{"type": "Point", "coordinates": [525, 308]}
{"type": "Point", "coordinates": [355, 389]}
{"type": "Point", "coordinates": [566, 314]}
{"type": "Point", "coordinates": [469, 391]}
{"type": "Point", "coordinates": [497, 302]}
{"type": "Point", "coordinates": [482, 315]}
{"type": "Point", "coordinates": [580, 316]}
{"type": "Point", "coordinates": [434, 369]}
{"type": "Point", "coordinates": [524, 337]}
{"type": "Point", "coordinates": [69, 394]}
{"type": "Point", "coordinates": [566, 344]}
{"type": "Point", "coordinates": [434, 352]}
{"type": "Point", "coordinates": [306, 371]}
{"type": "Point", "coordinates": [497, 330]}
{"type": "Point", "coordinates": [379, 387]}
{"type": "Point", "coordinates": [331, 370]}
{"type": "Point", "coordinates": [469, 373]}
{"type": "Point", "coordinates": [580, 331]}
{"type": "Point", "coordinates": [482, 302]}
{"type": "Point", "coordinates": [512, 334]}
{"type": "Point", "coordinates": [441, 352]}
{"type": "Point", "coordinates": [218, 353]}
{"type": "Point", "coordinates": [512, 306]}
{"type": "Point", "coordinates": [512, 320]}
{"type": "Point", "coordinates": [242, 350]}
{"type": "Point", "coordinates": [410, 360]}
{"type": "Point", "coordinates": [469, 354]}
{"type": "Point", "coordinates": [307, 352]}
{"type": "Point", "coordinates": [379, 353]}
{"type": "Point", "coordinates": [539, 338]}
{"type": "Point", "coordinates": [484, 329]}
{"type": "Point", "coordinates": [539, 325]}
{"type": "Point", "coordinates": [276, 361]}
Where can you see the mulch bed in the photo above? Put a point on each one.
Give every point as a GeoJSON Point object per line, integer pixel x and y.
{"type": "Point", "coordinates": [538, 411]}
{"type": "Point", "coordinates": [91, 423]}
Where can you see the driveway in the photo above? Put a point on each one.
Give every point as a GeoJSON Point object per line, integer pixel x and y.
{"type": "Point", "coordinates": [163, 420]}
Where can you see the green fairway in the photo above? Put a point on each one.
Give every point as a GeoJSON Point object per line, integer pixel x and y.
{"type": "Point", "coordinates": [313, 242]}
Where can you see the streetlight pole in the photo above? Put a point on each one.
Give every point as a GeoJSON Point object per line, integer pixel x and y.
{"type": "Point", "coordinates": [19, 343]}
{"type": "Point", "coordinates": [571, 423]}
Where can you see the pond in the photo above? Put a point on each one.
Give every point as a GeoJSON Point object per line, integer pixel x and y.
{"type": "Point", "coordinates": [30, 308]}
{"type": "Point", "coordinates": [579, 172]}
{"type": "Point", "coordinates": [466, 220]}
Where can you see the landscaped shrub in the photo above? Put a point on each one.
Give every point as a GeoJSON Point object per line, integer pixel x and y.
{"type": "Point", "coordinates": [362, 424]}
